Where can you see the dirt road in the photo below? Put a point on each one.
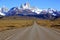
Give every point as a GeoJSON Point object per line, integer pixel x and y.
{"type": "Point", "coordinates": [34, 32]}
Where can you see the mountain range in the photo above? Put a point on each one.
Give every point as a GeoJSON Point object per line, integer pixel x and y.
{"type": "Point", "coordinates": [27, 10]}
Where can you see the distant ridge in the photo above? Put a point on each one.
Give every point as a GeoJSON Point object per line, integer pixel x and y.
{"type": "Point", "coordinates": [27, 10]}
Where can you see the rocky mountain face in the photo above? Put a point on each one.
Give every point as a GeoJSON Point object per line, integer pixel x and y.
{"type": "Point", "coordinates": [27, 10]}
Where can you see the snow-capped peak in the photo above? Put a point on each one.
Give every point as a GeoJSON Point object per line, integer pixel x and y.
{"type": "Point", "coordinates": [33, 9]}
{"type": "Point", "coordinates": [2, 14]}
{"type": "Point", "coordinates": [4, 9]}
{"type": "Point", "coordinates": [50, 10]}
{"type": "Point", "coordinates": [38, 11]}
{"type": "Point", "coordinates": [25, 6]}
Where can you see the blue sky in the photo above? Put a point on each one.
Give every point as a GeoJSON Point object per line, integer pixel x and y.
{"type": "Point", "coordinates": [38, 3]}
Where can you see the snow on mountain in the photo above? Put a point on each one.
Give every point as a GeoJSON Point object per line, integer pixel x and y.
{"type": "Point", "coordinates": [51, 10]}
{"type": "Point", "coordinates": [2, 14]}
{"type": "Point", "coordinates": [54, 14]}
{"type": "Point", "coordinates": [32, 9]}
{"type": "Point", "coordinates": [25, 6]}
{"type": "Point", "coordinates": [26, 9]}
{"type": "Point", "coordinates": [0, 9]}
{"type": "Point", "coordinates": [36, 10]}
{"type": "Point", "coordinates": [4, 9]}
{"type": "Point", "coordinates": [12, 11]}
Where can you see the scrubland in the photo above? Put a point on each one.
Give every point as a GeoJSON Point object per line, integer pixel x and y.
{"type": "Point", "coordinates": [6, 24]}
{"type": "Point", "coordinates": [49, 23]}
{"type": "Point", "coordinates": [13, 23]}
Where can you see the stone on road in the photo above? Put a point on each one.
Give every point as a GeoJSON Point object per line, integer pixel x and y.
{"type": "Point", "coordinates": [34, 32]}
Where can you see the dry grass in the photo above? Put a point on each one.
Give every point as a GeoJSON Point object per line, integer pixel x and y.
{"type": "Point", "coordinates": [42, 22]}
{"type": "Point", "coordinates": [12, 23]}
{"type": "Point", "coordinates": [18, 23]}
{"type": "Point", "coordinates": [49, 23]}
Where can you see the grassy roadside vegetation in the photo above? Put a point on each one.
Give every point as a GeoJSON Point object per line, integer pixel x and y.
{"type": "Point", "coordinates": [49, 23]}
{"type": "Point", "coordinates": [13, 23]}
{"type": "Point", "coordinates": [19, 23]}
